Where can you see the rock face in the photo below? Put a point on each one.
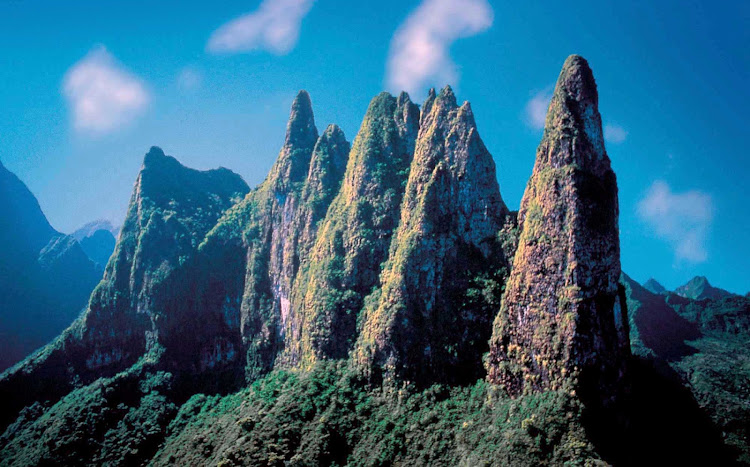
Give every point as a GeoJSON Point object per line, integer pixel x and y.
{"type": "Point", "coordinates": [344, 263]}
{"type": "Point", "coordinates": [563, 320]}
{"type": "Point", "coordinates": [264, 239]}
{"type": "Point", "coordinates": [698, 288]}
{"type": "Point", "coordinates": [427, 323]}
{"type": "Point", "coordinates": [171, 210]}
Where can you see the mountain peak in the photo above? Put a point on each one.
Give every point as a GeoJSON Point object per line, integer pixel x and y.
{"type": "Point", "coordinates": [447, 97]}
{"type": "Point", "coordinates": [564, 284]}
{"type": "Point", "coordinates": [153, 155]}
{"type": "Point", "coordinates": [403, 98]}
{"type": "Point", "coordinates": [698, 288]}
{"type": "Point", "coordinates": [301, 127]}
{"type": "Point", "coordinates": [574, 115]}
{"type": "Point", "coordinates": [577, 80]}
{"type": "Point", "coordinates": [653, 286]}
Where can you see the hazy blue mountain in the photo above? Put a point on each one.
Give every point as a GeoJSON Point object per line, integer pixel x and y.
{"type": "Point", "coordinates": [698, 288]}
{"type": "Point", "coordinates": [45, 276]}
{"type": "Point", "coordinates": [97, 239]}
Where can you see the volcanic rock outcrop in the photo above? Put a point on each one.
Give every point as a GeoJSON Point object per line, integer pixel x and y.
{"type": "Point", "coordinates": [563, 320]}
{"type": "Point", "coordinates": [428, 317]}
{"type": "Point", "coordinates": [345, 262]}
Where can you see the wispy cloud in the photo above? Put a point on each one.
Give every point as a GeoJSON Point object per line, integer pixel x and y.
{"type": "Point", "coordinates": [274, 27]}
{"type": "Point", "coordinates": [536, 108]}
{"type": "Point", "coordinates": [419, 53]}
{"type": "Point", "coordinates": [681, 219]}
{"type": "Point", "coordinates": [102, 95]}
{"type": "Point", "coordinates": [614, 133]}
{"type": "Point", "coordinates": [189, 79]}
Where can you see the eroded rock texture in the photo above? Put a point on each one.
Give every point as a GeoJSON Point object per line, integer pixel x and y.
{"type": "Point", "coordinates": [563, 320]}
{"type": "Point", "coordinates": [272, 230]}
{"type": "Point", "coordinates": [430, 320]}
{"type": "Point", "coordinates": [345, 262]}
{"type": "Point", "coordinates": [171, 210]}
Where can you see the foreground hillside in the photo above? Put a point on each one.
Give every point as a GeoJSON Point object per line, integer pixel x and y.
{"type": "Point", "coordinates": [376, 303]}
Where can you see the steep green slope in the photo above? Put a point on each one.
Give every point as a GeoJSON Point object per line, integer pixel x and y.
{"type": "Point", "coordinates": [655, 328]}
{"type": "Point", "coordinates": [344, 263]}
{"type": "Point", "coordinates": [441, 285]}
{"type": "Point", "coordinates": [327, 416]}
{"type": "Point", "coordinates": [272, 230]}
{"type": "Point", "coordinates": [171, 210]}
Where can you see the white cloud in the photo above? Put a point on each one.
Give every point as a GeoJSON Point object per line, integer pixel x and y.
{"type": "Point", "coordinates": [102, 95]}
{"type": "Point", "coordinates": [189, 79]}
{"type": "Point", "coordinates": [419, 52]}
{"type": "Point", "coordinates": [681, 219]}
{"type": "Point", "coordinates": [274, 27]}
{"type": "Point", "coordinates": [614, 133]}
{"type": "Point", "coordinates": [536, 108]}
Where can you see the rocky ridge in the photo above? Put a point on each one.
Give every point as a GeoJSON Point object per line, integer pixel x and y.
{"type": "Point", "coordinates": [427, 317]}
{"type": "Point", "coordinates": [388, 258]}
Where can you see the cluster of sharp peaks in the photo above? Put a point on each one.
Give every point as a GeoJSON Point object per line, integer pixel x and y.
{"type": "Point", "coordinates": [396, 254]}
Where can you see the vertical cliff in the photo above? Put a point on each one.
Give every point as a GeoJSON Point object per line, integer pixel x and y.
{"type": "Point", "coordinates": [344, 264]}
{"type": "Point", "coordinates": [264, 239]}
{"type": "Point", "coordinates": [432, 317]}
{"type": "Point", "coordinates": [563, 321]}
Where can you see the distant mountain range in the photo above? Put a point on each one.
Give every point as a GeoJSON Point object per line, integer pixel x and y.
{"type": "Point", "coordinates": [697, 288]}
{"type": "Point", "coordinates": [377, 303]}
{"type": "Point", "coordinates": [97, 239]}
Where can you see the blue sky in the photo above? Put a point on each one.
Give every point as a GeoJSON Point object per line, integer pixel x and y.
{"type": "Point", "coordinates": [89, 87]}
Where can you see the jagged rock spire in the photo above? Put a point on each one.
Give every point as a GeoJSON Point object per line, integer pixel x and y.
{"type": "Point", "coordinates": [293, 162]}
{"type": "Point", "coordinates": [354, 237]}
{"type": "Point", "coordinates": [326, 169]}
{"type": "Point", "coordinates": [300, 129]}
{"type": "Point", "coordinates": [563, 320]}
{"type": "Point", "coordinates": [420, 326]}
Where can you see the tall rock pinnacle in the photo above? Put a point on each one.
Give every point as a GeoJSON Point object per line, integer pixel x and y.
{"type": "Point", "coordinates": [421, 326]}
{"type": "Point", "coordinates": [344, 264]}
{"type": "Point", "coordinates": [563, 317]}
{"type": "Point", "coordinates": [301, 134]}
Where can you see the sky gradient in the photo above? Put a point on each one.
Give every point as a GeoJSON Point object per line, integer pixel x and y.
{"type": "Point", "coordinates": [88, 88]}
